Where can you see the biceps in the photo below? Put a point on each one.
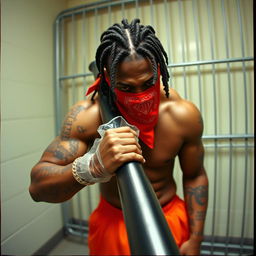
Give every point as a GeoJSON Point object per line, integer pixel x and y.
{"type": "Point", "coordinates": [191, 159]}
{"type": "Point", "coordinates": [63, 151]}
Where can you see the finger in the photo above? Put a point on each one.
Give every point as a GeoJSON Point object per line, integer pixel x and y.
{"type": "Point", "coordinates": [125, 134]}
{"type": "Point", "coordinates": [129, 141]}
{"type": "Point", "coordinates": [111, 140]}
{"type": "Point", "coordinates": [121, 138]}
{"type": "Point", "coordinates": [122, 129]}
{"type": "Point", "coordinates": [129, 149]}
{"type": "Point", "coordinates": [132, 156]}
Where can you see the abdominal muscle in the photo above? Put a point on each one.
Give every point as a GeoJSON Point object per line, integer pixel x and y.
{"type": "Point", "coordinates": [163, 185]}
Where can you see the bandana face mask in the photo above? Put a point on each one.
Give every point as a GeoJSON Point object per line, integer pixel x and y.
{"type": "Point", "coordinates": [141, 109]}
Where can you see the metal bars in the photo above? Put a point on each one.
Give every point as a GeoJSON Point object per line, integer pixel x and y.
{"type": "Point", "coordinates": [202, 40]}
{"type": "Point", "coordinates": [175, 65]}
{"type": "Point", "coordinates": [230, 123]}
{"type": "Point", "coordinates": [246, 123]}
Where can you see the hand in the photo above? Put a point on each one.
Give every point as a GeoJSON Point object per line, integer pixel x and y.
{"type": "Point", "coordinates": [118, 146]}
{"type": "Point", "coordinates": [190, 247]}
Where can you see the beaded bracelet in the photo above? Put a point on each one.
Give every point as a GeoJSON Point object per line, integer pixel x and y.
{"type": "Point", "coordinates": [77, 177]}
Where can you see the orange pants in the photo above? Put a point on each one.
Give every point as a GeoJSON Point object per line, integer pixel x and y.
{"type": "Point", "coordinates": [107, 231]}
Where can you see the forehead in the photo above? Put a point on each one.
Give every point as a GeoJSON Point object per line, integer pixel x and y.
{"type": "Point", "coordinates": [134, 66]}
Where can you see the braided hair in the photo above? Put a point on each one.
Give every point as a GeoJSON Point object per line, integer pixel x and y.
{"type": "Point", "coordinates": [120, 41]}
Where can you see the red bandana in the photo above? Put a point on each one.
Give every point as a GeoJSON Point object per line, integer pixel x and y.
{"type": "Point", "coordinates": [139, 109]}
{"type": "Point", "coordinates": [94, 86]}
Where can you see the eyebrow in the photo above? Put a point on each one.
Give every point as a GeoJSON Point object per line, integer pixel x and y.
{"type": "Point", "coordinates": [149, 80]}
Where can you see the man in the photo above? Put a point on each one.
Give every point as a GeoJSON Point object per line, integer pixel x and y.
{"type": "Point", "coordinates": [130, 60]}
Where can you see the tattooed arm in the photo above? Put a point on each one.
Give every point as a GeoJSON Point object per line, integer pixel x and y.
{"type": "Point", "coordinates": [195, 184]}
{"type": "Point", "coordinates": [51, 178]}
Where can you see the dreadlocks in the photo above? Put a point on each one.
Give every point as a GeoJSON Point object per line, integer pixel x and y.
{"type": "Point", "coordinates": [120, 41]}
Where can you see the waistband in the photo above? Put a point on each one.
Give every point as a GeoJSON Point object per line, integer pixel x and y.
{"type": "Point", "coordinates": [107, 208]}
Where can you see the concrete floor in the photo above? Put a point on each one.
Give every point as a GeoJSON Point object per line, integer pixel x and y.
{"type": "Point", "coordinates": [70, 246]}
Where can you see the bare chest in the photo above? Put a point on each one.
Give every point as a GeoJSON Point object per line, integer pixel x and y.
{"type": "Point", "coordinates": [167, 144]}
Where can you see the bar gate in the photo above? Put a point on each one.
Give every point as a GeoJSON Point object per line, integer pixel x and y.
{"type": "Point", "coordinates": [210, 49]}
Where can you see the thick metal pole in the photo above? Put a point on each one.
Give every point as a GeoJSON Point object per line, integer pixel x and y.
{"type": "Point", "coordinates": [148, 231]}
{"type": "Point", "coordinates": [230, 114]}
{"type": "Point", "coordinates": [216, 143]}
{"type": "Point", "coordinates": [246, 128]}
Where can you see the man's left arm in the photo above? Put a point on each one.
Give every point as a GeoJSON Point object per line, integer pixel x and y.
{"type": "Point", "coordinates": [195, 187]}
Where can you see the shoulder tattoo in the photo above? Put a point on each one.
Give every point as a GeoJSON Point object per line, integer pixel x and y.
{"type": "Point", "coordinates": [70, 118]}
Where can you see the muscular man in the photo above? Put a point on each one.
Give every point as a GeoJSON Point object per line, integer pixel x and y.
{"type": "Point", "coordinates": [131, 61]}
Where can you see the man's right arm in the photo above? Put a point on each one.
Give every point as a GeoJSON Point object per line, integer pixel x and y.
{"type": "Point", "coordinates": [51, 178]}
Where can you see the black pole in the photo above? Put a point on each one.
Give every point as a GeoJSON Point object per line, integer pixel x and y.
{"type": "Point", "coordinates": [148, 231]}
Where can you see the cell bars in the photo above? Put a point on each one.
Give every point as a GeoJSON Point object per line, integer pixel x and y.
{"type": "Point", "coordinates": [210, 48]}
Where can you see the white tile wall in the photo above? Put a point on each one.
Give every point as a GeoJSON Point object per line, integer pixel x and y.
{"type": "Point", "coordinates": [27, 120]}
{"type": "Point", "coordinates": [28, 239]}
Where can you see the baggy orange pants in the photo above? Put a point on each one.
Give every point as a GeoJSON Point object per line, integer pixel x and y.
{"type": "Point", "coordinates": [107, 231]}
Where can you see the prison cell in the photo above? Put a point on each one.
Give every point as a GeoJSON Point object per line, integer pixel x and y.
{"type": "Point", "coordinates": [210, 49]}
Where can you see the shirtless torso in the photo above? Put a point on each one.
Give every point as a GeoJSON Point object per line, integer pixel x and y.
{"type": "Point", "coordinates": [177, 133]}
{"type": "Point", "coordinates": [160, 160]}
{"type": "Point", "coordinates": [132, 58]}
{"type": "Point", "coordinates": [80, 130]}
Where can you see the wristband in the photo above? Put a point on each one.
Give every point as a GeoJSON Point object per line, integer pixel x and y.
{"type": "Point", "coordinates": [89, 168]}
{"type": "Point", "coordinates": [77, 177]}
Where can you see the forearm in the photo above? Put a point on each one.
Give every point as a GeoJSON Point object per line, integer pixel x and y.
{"type": "Point", "coordinates": [196, 199]}
{"type": "Point", "coordinates": [53, 183]}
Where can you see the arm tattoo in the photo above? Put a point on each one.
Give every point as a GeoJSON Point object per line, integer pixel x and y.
{"type": "Point", "coordinates": [54, 190]}
{"type": "Point", "coordinates": [71, 117]}
{"type": "Point", "coordinates": [198, 233]}
{"type": "Point", "coordinates": [197, 194]}
{"type": "Point", "coordinates": [81, 129]}
{"type": "Point", "coordinates": [49, 170]}
{"type": "Point", "coordinates": [200, 215]}
{"type": "Point", "coordinates": [61, 152]}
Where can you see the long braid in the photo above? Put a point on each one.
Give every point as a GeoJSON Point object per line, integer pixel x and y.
{"type": "Point", "coordinates": [122, 40]}
{"type": "Point", "coordinates": [146, 53]}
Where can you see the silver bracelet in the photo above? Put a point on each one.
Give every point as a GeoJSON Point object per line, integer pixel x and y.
{"type": "Point", "coordinates": [77, 177]}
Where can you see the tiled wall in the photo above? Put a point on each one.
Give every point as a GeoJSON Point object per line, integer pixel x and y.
{"type": "Point", "coordinates": [27, 120]}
